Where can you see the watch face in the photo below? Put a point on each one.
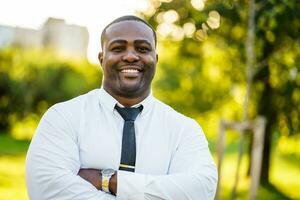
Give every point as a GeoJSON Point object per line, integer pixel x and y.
{"type": "Point", "coordinates": [108, 172]}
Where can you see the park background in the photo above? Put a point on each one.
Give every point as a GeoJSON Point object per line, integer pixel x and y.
{"type": "Point", "coordinates": [201, 72]}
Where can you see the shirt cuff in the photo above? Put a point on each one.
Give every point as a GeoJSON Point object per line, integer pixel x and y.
{"type": "Point", "coordinates": [130, 186]}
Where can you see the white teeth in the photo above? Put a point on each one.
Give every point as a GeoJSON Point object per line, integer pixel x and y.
{"type": "Point", "coordinates": [130, 71]}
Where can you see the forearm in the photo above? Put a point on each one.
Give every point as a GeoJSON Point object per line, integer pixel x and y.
{"type": "Point", "coordinates": [181, 186]}
{"type": "Point", "coordinates": [95, 178]}
{"type": "Point", "coordinates": [193, 183]}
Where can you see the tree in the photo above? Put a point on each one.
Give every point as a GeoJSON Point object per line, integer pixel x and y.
{"type": "Point", "coordinates": [276, 92]}
{"type": "Point", "coordinates": [277, 76]}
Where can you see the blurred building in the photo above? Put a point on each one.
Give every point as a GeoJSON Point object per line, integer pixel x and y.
{"type": "Point", "coordinates": [56, 34]}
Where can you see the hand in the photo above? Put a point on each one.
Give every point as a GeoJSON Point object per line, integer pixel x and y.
{"type": "Point", "coordinates": [94, 177]}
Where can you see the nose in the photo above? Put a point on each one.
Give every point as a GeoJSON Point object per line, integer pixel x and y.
{"type": "Point", "coordinates": [130, 56]}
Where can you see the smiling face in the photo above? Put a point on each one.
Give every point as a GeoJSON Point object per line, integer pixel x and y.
{"type": "Point", "coordinates": [128, 59]}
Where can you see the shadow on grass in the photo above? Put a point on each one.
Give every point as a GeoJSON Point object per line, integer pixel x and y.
{"type": "Point", "coordinates": [269, 191]}
{"type": "Point", "coordinates": [266, 192]}
{"type": "Point", "coordinates": [11, 146]}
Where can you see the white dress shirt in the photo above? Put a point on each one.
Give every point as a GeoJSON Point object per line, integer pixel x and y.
{"type": "Point", "coordinates": [173, 161]}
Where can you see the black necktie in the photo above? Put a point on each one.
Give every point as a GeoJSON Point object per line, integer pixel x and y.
{"type": "Point", "coordinates": [128, 140]}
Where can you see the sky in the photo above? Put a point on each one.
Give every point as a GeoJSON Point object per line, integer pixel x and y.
{"type": "Point", "coordinates": [93, 14]}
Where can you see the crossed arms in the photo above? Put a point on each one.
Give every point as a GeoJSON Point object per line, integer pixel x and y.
{"type": "Point", "coordinates": [53, 169]}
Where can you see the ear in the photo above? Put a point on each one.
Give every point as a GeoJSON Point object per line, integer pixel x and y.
{"type": "Point", "coordinates": [100, 57]}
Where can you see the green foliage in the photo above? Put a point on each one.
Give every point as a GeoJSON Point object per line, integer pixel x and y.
{"type": "Point", "coordinates": [192, 79]}
{"type": "Point", "coordinates": [207, 80]}
{"type": "Point", "coordinates": [33, 80]}
{"type": "Point", "coordinates": [278, 52]}
{"type": "Point", "coordinates": [187, 67]}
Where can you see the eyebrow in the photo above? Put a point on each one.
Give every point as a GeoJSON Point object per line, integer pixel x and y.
{"type": "Point", "coordinates": [142, 41]}
{"type": "Point", "coordinates": [124, 42]}
{"type": "Point", "coordinates": [117, 41]}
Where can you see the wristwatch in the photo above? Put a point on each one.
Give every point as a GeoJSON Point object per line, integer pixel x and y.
{"type": "Point", "coordinates": [106, 175]}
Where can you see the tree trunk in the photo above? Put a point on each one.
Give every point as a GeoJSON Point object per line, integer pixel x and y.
{"type": "Point", "coordinates": [265, 168]}
{"type": "Point", "coordinates": [265, 109]}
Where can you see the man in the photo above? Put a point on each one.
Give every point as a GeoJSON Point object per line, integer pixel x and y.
{"type": "Point", "coordinates": [86, 148]}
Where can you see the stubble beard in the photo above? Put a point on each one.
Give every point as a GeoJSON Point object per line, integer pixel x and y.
{"type": "Point", "coordinates": [141, 89]}
{"type": "Point", "coordinates": [118, 88]}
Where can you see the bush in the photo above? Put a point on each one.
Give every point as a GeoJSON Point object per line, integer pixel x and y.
{"type": "Point", "coordinates": [31, 81]}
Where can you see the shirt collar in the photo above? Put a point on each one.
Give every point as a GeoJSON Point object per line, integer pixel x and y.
{"type": "Point", "coordinates": [109, 102]}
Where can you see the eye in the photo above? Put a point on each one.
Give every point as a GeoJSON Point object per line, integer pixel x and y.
{"type": "Point", "coordinates": [117, 49]}
{"type": "Point", "coordinates": [143, 49]}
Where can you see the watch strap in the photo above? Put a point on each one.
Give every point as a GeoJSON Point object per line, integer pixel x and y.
{"type": "Point", "coordinates": [105, 183]}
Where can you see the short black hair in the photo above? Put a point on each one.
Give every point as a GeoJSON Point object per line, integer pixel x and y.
{"type": "Point", "coordinates": [126, 18]}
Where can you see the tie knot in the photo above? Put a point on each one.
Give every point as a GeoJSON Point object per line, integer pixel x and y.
{"type": "Point", "coordinates": [129, 114]}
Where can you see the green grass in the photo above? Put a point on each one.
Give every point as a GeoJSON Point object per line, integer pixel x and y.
{"type": "Point", "coordinates": [284, 178]}
{"type": "Point", "coordinates": [284, 174]}
{"type": "Point", "coordinates": [12, 177]}
{"type": "Point", "coordinates": [12, 171]}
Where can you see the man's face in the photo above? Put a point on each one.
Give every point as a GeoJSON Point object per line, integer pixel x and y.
{"type": "Point", "coordinates": [128, 59]}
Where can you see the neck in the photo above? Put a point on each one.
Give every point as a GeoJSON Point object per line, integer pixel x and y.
{"type": "Point", "coordinates": [129, 101]}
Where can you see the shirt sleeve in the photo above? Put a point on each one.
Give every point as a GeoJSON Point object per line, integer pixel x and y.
{"type": "Point", "coordinates": [53, 162]}
{"type": "Point", "coordinates": [192, 174]}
